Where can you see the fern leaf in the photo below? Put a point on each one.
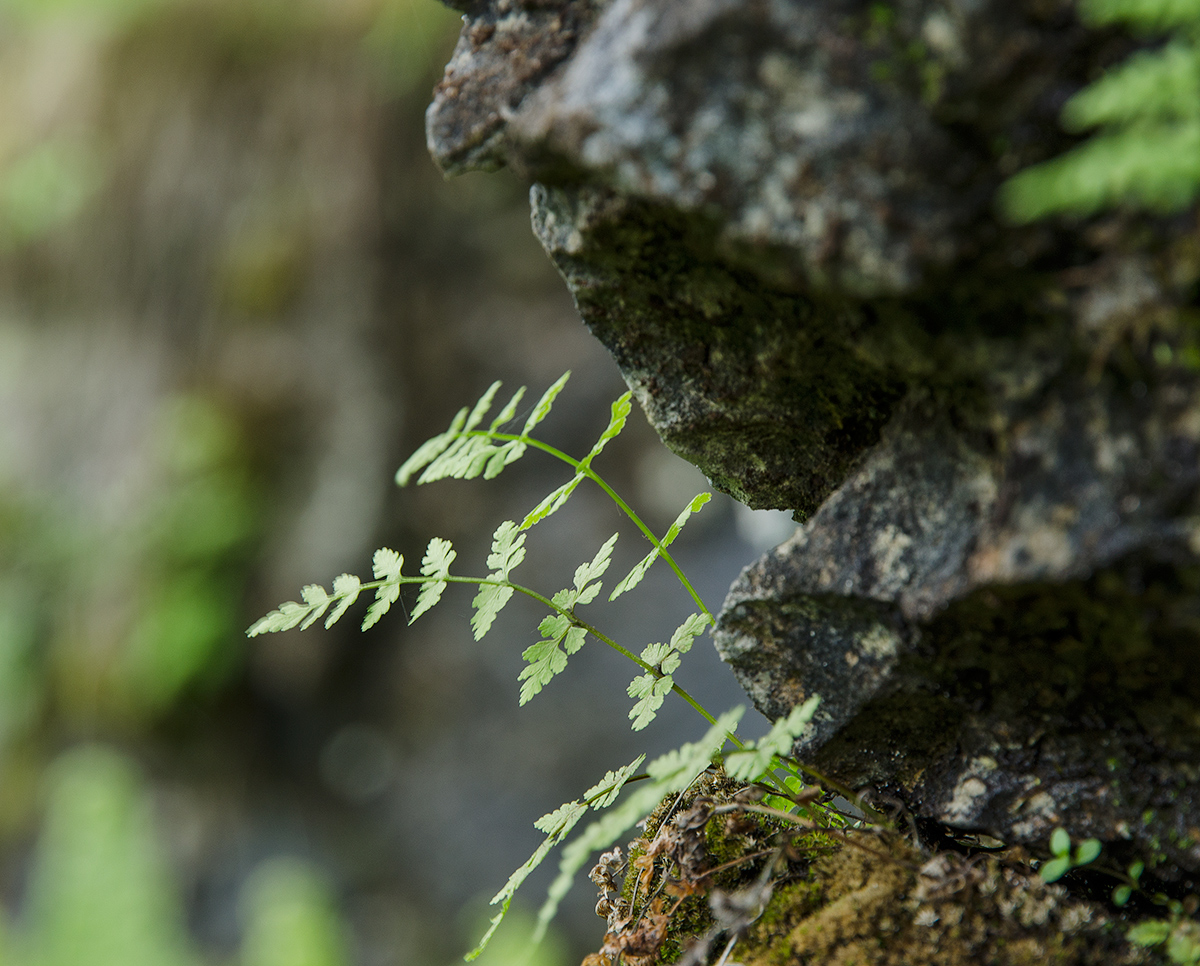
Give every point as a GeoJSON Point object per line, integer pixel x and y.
{"type": "Point", "coordinates": [346, 588]}
{"type": "Point", "coordinates": [481, 407]}
{"type": "Point", "coordinates": [670, 773]}
{"type": "Point", "coordinates": [687, 632]}
{"type": "Point", "coordinates": [751, 762]}
{"type": "Point", "coordinates": [616, 422]}
{"type": "Point", "coordinates": [587, 576]}
{"type": "Point", "coordinates": [552, 503]}
{"type": "Point", "coordinates": [435, 565]}
{"type": "Point", "coordinates": [508, 549]}
{"type": "Point", "coordinates": [431, 449]}
{"type": "Point", "coordinates": [318, 602]}
{"type": "Point", "coordinates": [605, 791]}
{"type": "Point", "coordinates": [655, 654]}
{"type": "Point", "coordinates": [542, 409]}
{"type": "Point", "coordinates": [545, 657]}
{"type": "Point", "coordinates": [652, 691]}
{"type": "Point", "coordinates": [509, 410]}
{"type": "Point", "coordinates": [488, 602]}
{"type": "Point", "coordinates": [287, 616]}
{"type": "Point", "coordinates": [386, 566]}
{"type": "Point", "coordinates": [567, 817]}
{"type": "Point", "coordinates": [634, 577]}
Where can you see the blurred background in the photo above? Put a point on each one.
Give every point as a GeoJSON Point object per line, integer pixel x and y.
{"type": "Point", "coordinates": [234, 295]}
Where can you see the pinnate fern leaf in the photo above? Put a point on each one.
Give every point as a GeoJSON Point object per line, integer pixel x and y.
{"type": "Point", "coordinates": [508, 549]}
{"type": "Point", "coordinates": [488, 602]}
{"type": "Point", "coordinates": [750, 763]}
{"type": "Point", "coordinates": [555, 500]}
{"type": "Point", "coordinates": [556, 825]}
{"type": "Point", "coordinates": [386, 567]}
{"type": "Point", "coordinates": [435, 565]}
{"type": "Point", "coordinates": [634, 577]}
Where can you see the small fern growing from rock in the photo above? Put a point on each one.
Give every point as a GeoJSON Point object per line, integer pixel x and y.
{"type": "Point", "coordinates": [468, 449]}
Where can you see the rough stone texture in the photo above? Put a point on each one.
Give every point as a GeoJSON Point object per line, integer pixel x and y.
{"type": "Point", "coordinates": [778, 217]}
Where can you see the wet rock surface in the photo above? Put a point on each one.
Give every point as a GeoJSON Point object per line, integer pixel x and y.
{"type": "Point", "coordinates": [779, 218]}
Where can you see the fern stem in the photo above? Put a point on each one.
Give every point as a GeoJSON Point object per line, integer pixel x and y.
{"type": "Point", "coordinates": [580, 467]}
{"type": "Point", "coordinates": [578, 622]}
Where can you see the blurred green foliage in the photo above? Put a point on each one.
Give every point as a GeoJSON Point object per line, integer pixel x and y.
{"type": "Point", "coordinates": [113, 621]}
{"type": "Point", "coordinates": [1146, 113]}
{"type": "Point", "coordinates": [101, 892]}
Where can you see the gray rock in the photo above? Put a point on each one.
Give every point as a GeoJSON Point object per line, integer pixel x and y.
{"type": "Point", "coordinates": [778, 217]}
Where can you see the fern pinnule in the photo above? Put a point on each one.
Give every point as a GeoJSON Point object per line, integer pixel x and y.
{"type": "Point", "coordinates": [386, 566]}
{"type": "Point", "coordinates": [508, 550]}
{"type": "Point", "coordinates": [435, 565]}
{"type": "Point", "coordinates": [634, 577]}
{"type": "Point", "coordinates": [542, 409]}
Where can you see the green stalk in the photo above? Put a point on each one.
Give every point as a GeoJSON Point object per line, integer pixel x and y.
{"type": "Point", "coordinates": [595, 477]}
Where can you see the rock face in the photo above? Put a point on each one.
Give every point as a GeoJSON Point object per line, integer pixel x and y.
{"type": "Point", "coordinates": [779, 218]}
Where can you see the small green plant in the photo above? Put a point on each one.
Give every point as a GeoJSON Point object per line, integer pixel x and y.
{"type": "Point", "coordinates": [1179, 932]}
{"type": "Point", "coordinates": [469, 449]}
{"type": "Point", "coordinates": [1064, 861]}
{"type": "Point", "coordinates": [1146, 114]}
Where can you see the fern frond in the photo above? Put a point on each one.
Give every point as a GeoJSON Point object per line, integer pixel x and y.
{"type": "Point", "coordinates": [557, 825]}
{"type": "Point", "coordinates": [317, 601]}
{"type": "Point", "coordinates": [669, 774]}
{"type": "Point", "coordinates": [564, 820]}
{"type": "Point", "coordinates": [435, 565]}
{"type": "Point", "coordinates": [1147, 152]}
{"type": "Point", "coordinates": [287, 616]}
{"type": "Point", "coordinates": [634, 577]}
{"type": "Point", "coordinates": [542, 409]}
{"type": "Point", "coordinates": [750, 763]}
{"type": "Point", "coordinates": [1154, 165]}
{"type": "Point", "coordinates": [386, 566]}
